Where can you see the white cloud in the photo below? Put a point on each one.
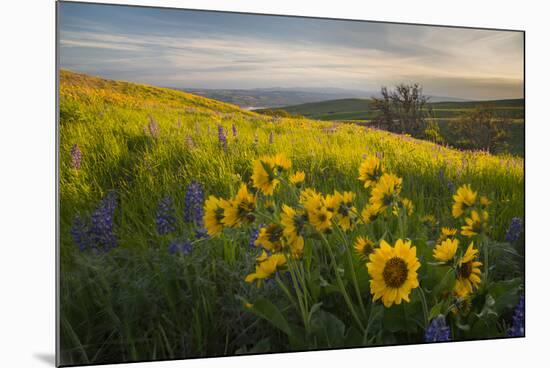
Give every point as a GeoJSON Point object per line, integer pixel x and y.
{"type": "Point", "coordinates": [434, 55]}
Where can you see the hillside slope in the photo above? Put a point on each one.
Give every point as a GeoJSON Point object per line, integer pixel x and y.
{"type": "Point", "coordinates": [146, 142]}
{"type": "Point", "coordinates": [140, 281]}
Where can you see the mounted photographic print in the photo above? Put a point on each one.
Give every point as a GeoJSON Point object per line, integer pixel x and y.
{"type": "Point", "coordinates": [234, 184]}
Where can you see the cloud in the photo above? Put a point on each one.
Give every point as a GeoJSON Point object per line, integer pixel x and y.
{"type": "Point", "coordinates": [455, 62]}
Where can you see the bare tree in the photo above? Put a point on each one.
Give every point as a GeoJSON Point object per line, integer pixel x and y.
{"type": "Point", "coordinates": [481, 128]}
{"type": "Point", "coordinates": [403, 110]}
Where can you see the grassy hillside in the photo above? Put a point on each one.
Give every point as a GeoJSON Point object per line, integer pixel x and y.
{"type": "Point", "coordinates": [144, 143]}
{"type": "Point", "coordinates": [361, 111]}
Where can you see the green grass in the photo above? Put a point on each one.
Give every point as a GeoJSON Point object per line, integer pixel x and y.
{"type": "Point", "coordinates": [361, 111]}
{"type": "Point", "coordinates": [140, 303]}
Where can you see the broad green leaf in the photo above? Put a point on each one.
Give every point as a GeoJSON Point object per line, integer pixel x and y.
{"type": "Point", "coordinates": [265, 309]}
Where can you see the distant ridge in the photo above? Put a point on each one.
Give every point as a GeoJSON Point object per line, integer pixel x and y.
{"type": "Point", "coordinates": [362, 109]}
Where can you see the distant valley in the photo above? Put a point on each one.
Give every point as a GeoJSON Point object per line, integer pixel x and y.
{"type": "Point", "coordinates": [259, 98]}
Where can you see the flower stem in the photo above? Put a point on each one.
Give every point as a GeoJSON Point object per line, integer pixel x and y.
{"type": "Point", "coordinates": [347, 299]}
{"type": "Point", "coordinates": [352, 268]}
{"type": "Point", "coordinates": [424, 306]}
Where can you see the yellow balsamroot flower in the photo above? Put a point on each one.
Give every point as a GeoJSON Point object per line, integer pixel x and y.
{"type": "Point", "coordinates": [320, 218]}
{"type": "Point", "coordinates": [266, 170]}
{"type": "Point", "coordinates": [385, 191]}
{"type": "Point", "coordinates": [263, 176]}
{"type": "Point", "coordinates": [332, 201]}
{"type": "Point", "coordinates": [240, 209]}
{"type": "Point", "coordinates": [446, 233]}
{"type": "Point", "coordinates": [475, 223]}
{"type": "Point", "coordinates": [270, 237]}
{"type": "Point", "coordinates": [307, 194]}
{"type": "Point", "coordinates": [484, 202]}
{"type": "Point", "coordinates": [370, 171]}
{"type": "Point", "coordinates": [468, 273]}
{"type": "Point", "coordinates": [446, 251]}
{"type": "Point", "coordinates": [464, 198]}
{"type": "Point", "coordinates": [341, 205]}
{"type": "Point", "coordinates": [296, 244]}
{"type": "Point", "coordinates": [393, 272]}
{"type": "Point", "coordinates": [269, 206]}
{"type": "Point", "coordinates": [406, 204]}
{"type": "Point", "coordinates": [266, 266]}
{"type": "Point", "coordinates": [280, 162]}
{"type": "Point", "coordinates": [214, 215]}
{"type": "Point", "coordinates": [363, 247]}
{"type": "Point", "coordinates": [298, 177]}
{"type": "Point", "coordinates": [293, 224]}
{"type": "Point", "coordinates": [370, 213]}
{"type": "Point", "coordinates": [429, 220]}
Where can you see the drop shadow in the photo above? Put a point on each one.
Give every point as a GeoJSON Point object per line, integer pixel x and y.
{"type": "Point", "coordinates": [46, 358]}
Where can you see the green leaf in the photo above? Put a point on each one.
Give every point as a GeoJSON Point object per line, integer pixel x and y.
{"type": "Point", "coordinates": [314, 309]}
{"type": "Point", "coordinates": [265, 309]}
{"type": "Point", "coordinates": [435, 311]}
{"type": "Point", "coordinates": [447, 277]}
{"type": "Point", "coordinates": [505, 294]}
{"type": "Point", "coordinates": [328, 329]}
{"type": "Point", "coordinates": [297, 338]}
{"type": "Point", "coordinates": [403, 317]}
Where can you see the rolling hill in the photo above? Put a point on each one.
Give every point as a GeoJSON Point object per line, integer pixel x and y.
{"type": "Point", "coordinates": [361, 109]}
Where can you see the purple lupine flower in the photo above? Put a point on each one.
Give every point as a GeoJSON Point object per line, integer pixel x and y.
{"type": "Point", "coordinates": [438, 330]}
{"type": "Point", "coordinates": [101, 231]}
{"type": "Point", "coordinates": [514, 231]}
{"type": "Point", "coordinates": [153, 127]}
{"type": "Point", "coordinates": [451, 186]}
{"type": "Point", "coordinates": [177, 245]}
{"type": "Point", "coordinates": [234, 130]}
{"type": "Point", "coordinates": [518, 320]}
{"type": "Point", "coordinates": [270, 137]}
{"type": "Point", "coordinates": [166, 219]}
{"type": "Point", "coordinates": [194, 199]}
{"type": "Point", "coordinates": [254, 235]}
{"type": "Point", "coordinates": [222, 139]}
{"type": "Point", "coordinates": [80, 233]}
{"type": "Point", "coordinates": [186, 247]}
{"type": "Point", "coordinates": [76, 157]}
{"type": "Point", "coordinates": [173, 247]}
{"type": "Point", "coordinates": [201, 233]}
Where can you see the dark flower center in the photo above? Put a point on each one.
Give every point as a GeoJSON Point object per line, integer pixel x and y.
{"type": "Point", "coordinates": [343, 210]}
{"type": "Point", "coordinates": [388, 199]}
{"type": "Point", "coordinates": [274, 233]}
{"type": "Point", "coordinates": [367, 249]}
{"type": "Point", "coordinates": [219, 214]}
{"type": "Point", "coordinates": [465, 270]}
{"type": "Point", "coordinates": [395, 272]}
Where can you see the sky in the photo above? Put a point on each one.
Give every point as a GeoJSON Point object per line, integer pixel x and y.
{"type": "Point", "coordinates": [199, 49]}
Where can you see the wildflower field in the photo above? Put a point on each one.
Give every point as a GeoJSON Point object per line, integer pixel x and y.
{"type": "Point", "coordinates": [192, 228]}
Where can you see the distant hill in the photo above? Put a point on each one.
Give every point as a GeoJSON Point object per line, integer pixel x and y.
{"type": "Point", "coordinates": [272, 97]}
{"type": "Point", "coordinates": [361, 109]}
{"type": "Point", "coordinates": [258, 98]}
